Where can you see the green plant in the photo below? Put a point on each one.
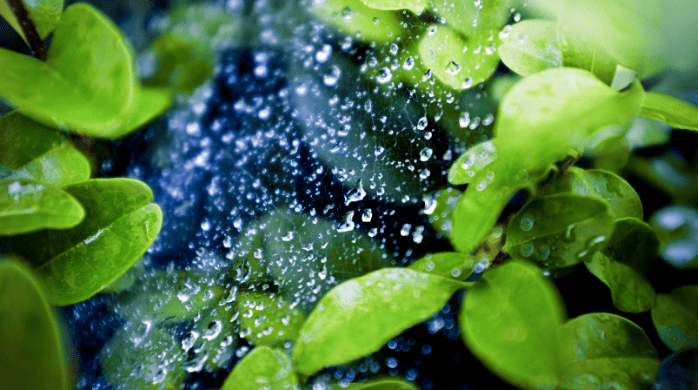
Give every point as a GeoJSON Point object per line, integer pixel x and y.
{"type": "Point", "coordinates": [581, 90]}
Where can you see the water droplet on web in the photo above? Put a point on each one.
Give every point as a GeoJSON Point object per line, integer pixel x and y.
{"type": "Point", "coordinates": [393, 49]}
{"type": "Point", "coordinates": [408, 64]}
{"type": "Point", "coordinates": [322, 55]}
{"type": "Point", "coordinates": [405, 230]}
{"type": "Point", "coordinates": [422, 123]}
{"type": "Point", "coordinates": [331, 78]}
{"type": "Point", "coordinates": [425, 154]}
{"type": "Point", "coordinates": [367, 215]}
{"type": "Point", "coordinates": [384, 76]}
{"type": "Point", "coordinates": [464, 120]}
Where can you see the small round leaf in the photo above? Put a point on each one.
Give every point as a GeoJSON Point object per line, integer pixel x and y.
{"type": "Point", "coordinates": [676, 318]}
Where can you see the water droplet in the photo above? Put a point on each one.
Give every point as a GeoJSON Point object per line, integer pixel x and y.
{"type": "Point", "coordinates": [331, 78]}
{"type": "Point", "coordinates": [408, 64]}
{"type": "Point", "coordinates": [453, 68]}
{"type": "Point", "coordinates": [384, 76]}
{"type": "Point", "coordinates": [405, 231]}
{"type": "Point", "coordinates": [526, 223]}
{"type": "Point", "coordinates": [467, 83]}
{"type": "Point", "coordinates": [422, 123]}
{"type": "Point", "coordinates": [323, 54]}
{"type": "Point", "coordinates": [367, 215]}
{"type": "Point", "coordinates": [464, 120]}
{"type": "Point", "coordinates": [527, 249]}
{"type": "Point", "coordinates": [425, 154]}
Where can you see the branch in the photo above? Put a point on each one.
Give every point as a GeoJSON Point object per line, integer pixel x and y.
{"type": "Point", "coordinates": [29, 28]}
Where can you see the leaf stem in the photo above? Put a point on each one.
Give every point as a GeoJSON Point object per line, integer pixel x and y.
{"type": "Point", "coordinates": [29, 28]}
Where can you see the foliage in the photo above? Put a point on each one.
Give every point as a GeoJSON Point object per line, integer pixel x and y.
{"type": "Point", "coordinates": [72, 236]}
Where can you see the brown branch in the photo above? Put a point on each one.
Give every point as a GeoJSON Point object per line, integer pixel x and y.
{"type": "Point", "coordinates": [36, 44]}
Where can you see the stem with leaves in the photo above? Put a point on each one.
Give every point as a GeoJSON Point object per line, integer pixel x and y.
{"type": "Point", "coordinates": [28, 28]}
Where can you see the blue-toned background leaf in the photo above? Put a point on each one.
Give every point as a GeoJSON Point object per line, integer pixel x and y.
{"type": "Point", "coordinates": [677, 227]}
{"type": "Point", "coordinates": [679, 371]}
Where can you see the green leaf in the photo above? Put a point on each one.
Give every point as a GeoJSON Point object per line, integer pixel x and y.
{"type": "Point", "coordinates": [624, 265]}
{"type": "Point", "coordinates": [512, 320]}
{"type": "Point", "coordinates": [645, 132]}
{"type": "Point", "coordinates": [474, 160]}
{"type": "Point", "coordinates": [267, 319]}
{"type": "Point", "coordinates": [262, 368]}
{"type": "Point", "coordinates": [444, 52]}
{"type": "Point", "coordinates": [535, 45]}
{"type": "Point", "coordinates": [440, 212]}
{"type": "Point", "coordinates": [182, 63]}
{"type": "Point", "coordinates": [531, 46]}
{"type": "Point", "coordinates": [119, 225]}
{"type": "Point", "coordinates": [353, 17]}
{"type": "Point", "coordinates": [360, 315]}
{"type": "Point", "coordinates": [44, 13]}
{"type": "Point", "coordinates": [150, 103]}
{"type": "Point", "coordinates": [31, 351]}
{"type": "Point", "coordinates": [603, 351]}
{"type": "Point", "coordinates": [558, 109]}
{"type": "Point", "coordinates": [27, 206]}
{"type": "Point", "coordinates": [558, 231]}
{"type": "Point", "coordinates": [416, 6]}
{"type": "Point", "coordinates": [670, 110]}
{"type": "Point", "coordinates": [451, 265]}
{"type": "Point", "coordinates": [75, 89]}
{"type": "Point", "coordinates": [676, 318]}
{"type": "Point", "coordinates": [34, 151]}
{"type": "Point", "coordinates": [622, 199]}
{"type": "Point", "coordinates": [478, 21]}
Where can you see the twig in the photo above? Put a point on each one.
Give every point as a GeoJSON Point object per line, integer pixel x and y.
{"type": "Point", "coordinates": [36, 44]}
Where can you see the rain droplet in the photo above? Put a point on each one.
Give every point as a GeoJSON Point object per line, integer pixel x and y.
{"type": "Point", "coordinates": [367, 215]}
{"type": "Point", "coordinates": [453, 68]}
{"type": "Point", "coordinates": [422, 123]}
{"type": "Point", "coordinates": [527, 249]}
{"type": "Point", "coordinates": [384, 76]}
{"type": "Point", "coordinates": [467, 83]}
{"type": "Point", "coordinates": [425, 154]}
{"type": "Point", "coordinates": [526, 223]}
{"type": "Point", "coordinates": [323, 54]}
{"type": "Point", "coordinates": [332, 77]}
{"type": "Point", "coordinates": [464, 119]}
{"type": "Point", "coordinates": [408, 64]}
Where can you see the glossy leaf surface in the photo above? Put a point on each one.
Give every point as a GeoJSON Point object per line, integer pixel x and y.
{"type": "Point", "coordinates": [76, 89]}
{"type": "Point", "coordinates": [558, 231]}
{"type": "Point", "coordinates": [676, 318]}
{"type": "Point", "coordinates": [625, 263]}
{"type": "Point", "coordinates": [119, 225]}
{"type": "Point", "coordinates": [45, 14]}
{"type": "Point", "coordinates": [33, 151]}
{"type": "Point", "coordinates": [474, 160]}
{"type": "Point", "coordinates": [416, 6]}
{"type": "Point", "coordinates": [452, 265]}
{"type": "Point", "coordinates": [480, 22]}
{"type": "Point", "coordinates": [267, 319]}
{"type": "Point", "coordinates": [443, 53]}
{"type": "Point", "coordinates": [31, 352]}
{"type": "Point", "coordinates": [603, 350]}
{"type": "Point", "coordinates": [622, 199]}
{"type": "Point", "coordinates": [262, 368]}
{"type": "Point", "coordinates": [511, 320]}
{"type": "Point", "coordinates": [27, 206]}
{"type": "Point", "coordinates": [670, 110]}
{"type": "Point", "coordinates": [359, 316]}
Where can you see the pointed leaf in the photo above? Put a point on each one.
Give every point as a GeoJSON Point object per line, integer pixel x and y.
{"type": "Point", "coordinates": [44, 13]}
{"type": "Point", "coordinates": [622, 199]}
{"type": "Point", "coordinates": [451, 265]}
{"type": "Point", "coordinates": [670, 110]}
{"type": "Point", "coordinates": [531, 46]}
{"type": "Point", "coordinates": [31, 353]}
{"type": "Point", "coordinates": [119, 226]}
{"type": "Point", "coordinates": [359, 316]}
{"type": "Point", "coordinates": [34, 151]}
{"type": "Point", "coordinates": [416, 6]}
{"type": "Point", "coordinates": [262, 368]}
{"type": "Point", "coordinates": [602, 348]}
{"type": "Point", "coordinates": [512, 320]}
{"type": "Point", "coordinates": [443, 52]}
{"type": "Point", "coordinates": [676, 318]}
{"type": "Point", "coordinates": [27, 206]}
{"type": "Point", "coordinates": [558, 231]}
{"type": "Point", "coordinates": [624, 265]}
